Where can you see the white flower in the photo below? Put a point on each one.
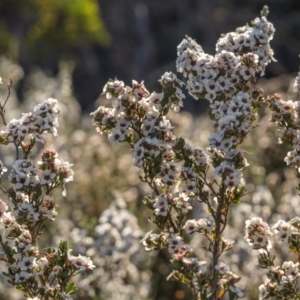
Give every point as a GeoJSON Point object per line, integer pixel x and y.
{"type": "Point", "coordinates": [283, 230]}
{"type": "Point", "coordinates": [8, 219]}
{"type": "Point", "coordinates": [82, 262]}
{"type": "Point", "coordinates": [291, 270]}
{"type": "Point", "coordinates": [22, 276]}
{"type": "Point", "coordinates": [164, 125]}
{"type": "Point", "coordinates": [183, 206]}
{"type": "Point", "coordinates": [115, 86]}
{"type": "Point", "coordinates": [41, 265]}
{"type": "Point", "coordinates": [65, 296]}
{"type": "Point", "coordinates": [161, 205]}
{"type": "Point", "coordinates": [190, 226]}
{"type": "Point", "coordinates": [64, 170]}
{"type": "Point", "coordinates": [46, 176]}
{"type": "Point", "coordinates": [222, 268]}
{"type": "Point", "coordinates": [263, 292]}
{"type": "Point", "coordinates": [116, 136]}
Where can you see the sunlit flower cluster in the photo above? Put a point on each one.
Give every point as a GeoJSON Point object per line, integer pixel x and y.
{"type": "Point", "coordinates": [254, 39]}
{"type": "Point", "coordinates": [280, 281]}
{"type": "Point", "coordinates": [43, 119]}
{"type": "Point", "coordinates": [226, 81]}
{"type": "Point", "coordinates": [37, 272]}
{"type": "Point", "coordinates": [52, 172]}
{"type": "Point", "coordinates": [286, 115]}
{"type": "Point", "coordinates": [258, 234]}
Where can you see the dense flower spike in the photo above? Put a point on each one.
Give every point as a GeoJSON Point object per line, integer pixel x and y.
{"type": "Point", "coordinates": [226, 81]}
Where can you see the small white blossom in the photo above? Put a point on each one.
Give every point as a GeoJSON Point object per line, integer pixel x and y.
{"type": "Point", "coordinates": [81, 262]}
{"type": "Point", "coordinates": [222, 268]}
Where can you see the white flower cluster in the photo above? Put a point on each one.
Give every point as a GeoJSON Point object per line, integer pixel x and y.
{"type": "Point", "coordinates": [179, 174]}
{"type": "Point", "coordinates": [38, 273]}
{"type": "Point", "coordinates": [258, 234]}
{"type": "Point", "coordinates": [139, 118]}
{"type": "Point", "coordinates": [254, 39]}
{"type": "Point", "coordinates": [19, 225]}
{"type": "Point", "coordinates": [202, 225]}
{"type": "Point", "coordinates": [286, 114]}
{"type": "Point", "coordinates": [284, 280]}
{"type": "Point", "coordinates": [43, 119]}
{"type": "Point", "coordinates": [171, 167]}
{"type": "Point", "coordinates": [23, 174]}
{"type": "Point", "coordinates": [141, 103]}
{"type": "Point", "coordinates": [279, 279]}
{"type": "Point", "coordinates": [226, 80]}
{"type": "Point", "coordinates": [26, 260]}
{"type": "Point", "coordinates": [52, 172]}
{"type": "Point", "coordinates": [177, 247]}
{"type": "Point", "coordinates": [284, 230]}
{"type": "Point", "coordinates": [136, 111]}
{"type": "Point", "coordinates": [81, 263]}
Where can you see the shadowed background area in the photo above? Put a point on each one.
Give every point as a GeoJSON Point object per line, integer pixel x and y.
{"type": "Point", "coordinates": [131, 39]}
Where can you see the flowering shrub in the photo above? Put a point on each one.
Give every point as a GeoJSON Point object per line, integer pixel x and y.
{"type": "Point", "coordinates": [38, 273]}
{"type": "Point", "coordinates": [180, 175]}
{"type": "Point", "coordinates": [77, 142]}
{"type": "Point", "coordinates": [196, 193]}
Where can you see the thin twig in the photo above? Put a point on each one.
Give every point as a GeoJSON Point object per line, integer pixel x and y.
{"type": "Point", "coordinates": [9, 85]}
{"type": "Point", "coordinates": [2, 111]}
{"type": "Point", "coordinates": [2, 107]}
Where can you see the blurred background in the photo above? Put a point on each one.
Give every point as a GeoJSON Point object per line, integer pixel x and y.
{"type": "Point", "coordinates": [68, 49]}
{"type": "Point", "coordinates": [131, 39]}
